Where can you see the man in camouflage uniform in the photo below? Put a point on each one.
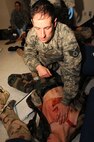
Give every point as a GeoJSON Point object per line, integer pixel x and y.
{"type": "Point", "coordinates": [50, 47]}
{"type": "Point", "coordinates": [50, 42]}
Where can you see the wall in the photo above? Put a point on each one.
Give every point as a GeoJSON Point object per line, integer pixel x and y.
{"type": "Point", "coordinates": [83, 9]}
{"type": "Point", "coordinates": [4, 15]}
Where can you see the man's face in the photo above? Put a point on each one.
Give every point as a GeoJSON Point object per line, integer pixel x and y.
{"type": "Point", "coordinates": [44, 27]}
{"type": "Point", "coordinates": [17, 7]}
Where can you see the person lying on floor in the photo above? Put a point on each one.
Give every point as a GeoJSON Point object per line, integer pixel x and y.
{"type": "Point", "coordinates": [19, 21]}
{"type": "Point", "coordinates": [51, 92]}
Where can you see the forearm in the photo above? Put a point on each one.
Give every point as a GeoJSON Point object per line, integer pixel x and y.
{"type": "Point", "coordinates": [71, 85]}
{"type": "Point", "coordinates": [71, 76]}
{"type": "Point", "coordinates": [30, 52]}
{"type": "Point", "coordinates": [71, 66]}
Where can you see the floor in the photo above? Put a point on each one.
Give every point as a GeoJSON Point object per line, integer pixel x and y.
{"type": "Point", "coordinates": [11, 62]}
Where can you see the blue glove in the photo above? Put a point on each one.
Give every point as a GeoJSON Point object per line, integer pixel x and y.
{"type": "Point", "coordinates": [71, 12]}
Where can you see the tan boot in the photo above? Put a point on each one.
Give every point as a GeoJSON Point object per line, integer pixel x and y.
{"type": "Point", "coordinates": [4, 95]}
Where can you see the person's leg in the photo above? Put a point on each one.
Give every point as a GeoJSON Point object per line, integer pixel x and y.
{"type": "Point", "coordinates": [22, 82]}
{"type": "Point", "coordinates": [13, 125]}
{"type": "Point", "coordinates": [87, 132]}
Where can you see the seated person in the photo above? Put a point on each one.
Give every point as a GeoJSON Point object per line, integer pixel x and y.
{"type": "Point", "coordinates": [19, 21]}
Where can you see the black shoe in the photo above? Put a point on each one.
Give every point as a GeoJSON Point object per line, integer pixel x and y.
{"type": "Point", "coordinates": [11, 48]}
{"type": "Point", "coordinates": [11, 104]}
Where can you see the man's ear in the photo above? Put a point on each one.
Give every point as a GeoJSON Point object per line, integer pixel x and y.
{"type": "Point", "coordinates": [55, 22]}
{"type": "Point", "coordinates": [32, 21]}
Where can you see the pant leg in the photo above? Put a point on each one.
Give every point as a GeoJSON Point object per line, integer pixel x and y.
{"type": "Point", "coordinates": [23, 82]}
{"type": "Point", "coordinates": [87, 132]}
{"type": "Point", "coordinates": [14, 126]}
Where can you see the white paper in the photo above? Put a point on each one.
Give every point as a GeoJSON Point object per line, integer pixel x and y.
{"type": "Point", "coordinates": [22, 109]}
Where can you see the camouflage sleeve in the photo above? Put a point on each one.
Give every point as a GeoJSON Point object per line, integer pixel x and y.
{"type": "Point", "coordinates": [30, 52]}
{"type": "Point", "coordinates": [71, 66]}
{"type": "Point", "coordinates": [69, 3]}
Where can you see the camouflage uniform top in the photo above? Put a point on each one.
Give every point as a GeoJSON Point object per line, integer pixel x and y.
{"type": "Point", "coordinates": [63, 46]}
{"type": "Point", "coordinates": [69, 3]}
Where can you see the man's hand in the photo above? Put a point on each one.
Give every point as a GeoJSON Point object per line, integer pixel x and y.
{"type": "Point", "coordinates": [43, 71]}
{"type": "Point", "coordinates": [62, 112]}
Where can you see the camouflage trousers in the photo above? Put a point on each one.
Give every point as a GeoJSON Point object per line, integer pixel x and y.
{"type": "Point", "coordinates": [22, 82]}
{"type": "Point", "coordinates": [26, 83]}
{"type": "Point", "coordinates": [15, 128]}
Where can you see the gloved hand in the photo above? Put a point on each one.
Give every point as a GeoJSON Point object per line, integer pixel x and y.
{"type": "Point", "coordinates": [71, 12]}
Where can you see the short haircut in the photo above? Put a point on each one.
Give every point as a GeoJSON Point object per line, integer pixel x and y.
{"type": "Point", "coordinates": [43, 7]}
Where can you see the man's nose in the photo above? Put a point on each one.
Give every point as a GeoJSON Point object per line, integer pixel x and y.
{"type": "Point", "coordinates": [43, 33]}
